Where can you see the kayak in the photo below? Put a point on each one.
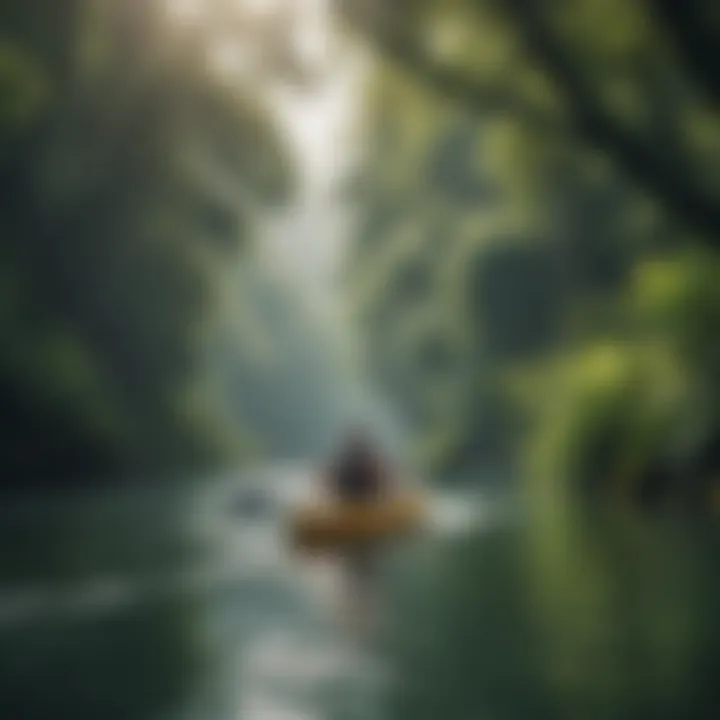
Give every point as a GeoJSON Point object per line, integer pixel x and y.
{"type": "Point", "coordinates": [334, 525]}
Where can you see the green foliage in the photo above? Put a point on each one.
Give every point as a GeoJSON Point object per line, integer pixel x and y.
{"type": "Point", "coordinates": [570, 176]}
{"type": "Point", "coordinates": [131, 177]}
{"type": "Point", "coordinates": [22, 90]}
{"type": "Point", "coordinates": [610, 411]}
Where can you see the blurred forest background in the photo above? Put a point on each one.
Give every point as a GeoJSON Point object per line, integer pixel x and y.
{"type": "Point", "coordinates": [533, 271]}
{"type": "Point", "coordinates": [537, 258]}
{"type": "Point", "coordinates": [139, 333]}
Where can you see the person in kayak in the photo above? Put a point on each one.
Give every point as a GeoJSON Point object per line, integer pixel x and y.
{"type": "Point", "coordinates": [359, 473]}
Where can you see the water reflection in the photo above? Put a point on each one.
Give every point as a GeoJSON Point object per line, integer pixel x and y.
{"type": "Point", "coordinates": [599, 621]}
{"type": "Point", "coordinates": [488, 615]}
{"type": "Point", "coordinates": [136, 664]}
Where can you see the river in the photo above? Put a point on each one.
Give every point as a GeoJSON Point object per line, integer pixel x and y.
{"type": "Point", "coordinates": [165, 601]}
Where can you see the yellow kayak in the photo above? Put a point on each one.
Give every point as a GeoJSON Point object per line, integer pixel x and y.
{"type": "Point", "coordinates": [335, 525]}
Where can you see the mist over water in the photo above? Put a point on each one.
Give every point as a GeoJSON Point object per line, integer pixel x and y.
{"type": "Point", "coordinates": [271, 624]}
{"type": "Point", "coordinates": [206, 615]}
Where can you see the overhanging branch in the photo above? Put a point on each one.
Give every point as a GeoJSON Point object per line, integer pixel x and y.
{"type": "Point", "coordinates": [455, 85]}
{"type": "Point", "coordinates": [662, 177]}
{"type": "Point", "coordinates": [666, 179]}
{"type": "Point", "coordinates": [695, 44]}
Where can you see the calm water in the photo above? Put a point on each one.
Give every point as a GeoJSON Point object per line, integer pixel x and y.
{"type": "Point", "coordinates": [164, 603]}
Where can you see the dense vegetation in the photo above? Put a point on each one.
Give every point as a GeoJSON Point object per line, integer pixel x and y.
{"type": "Point", "coordinates": [537, 265]}
{"type": "Point", "coordinates": [130, 176]}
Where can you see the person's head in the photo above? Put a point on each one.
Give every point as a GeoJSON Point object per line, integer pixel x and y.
{"type": "Point", "coordinates": [358, 439]}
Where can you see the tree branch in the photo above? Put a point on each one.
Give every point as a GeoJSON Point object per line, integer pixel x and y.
{"type": "Point", "coordinates": [694, 43]}
{"type": "Point", "coordinates": [663, 177]}
{"type": "Point", "coordinates": [454, 85]}
{"type": "Point", "coordinates": [666, 179]}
